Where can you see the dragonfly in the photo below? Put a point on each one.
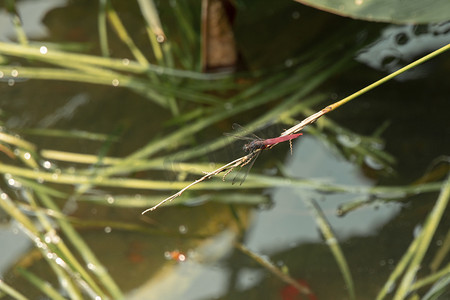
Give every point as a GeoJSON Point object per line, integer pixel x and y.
{"type": "Point", "coordinates": [256, 145]}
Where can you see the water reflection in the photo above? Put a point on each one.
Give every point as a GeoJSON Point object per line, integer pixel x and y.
{"type": "Point", "coordinates": [66, 111]}
{"type": "Point", "coordinates": [198, 276]}
{"type": "Point", "coordinates": [33, 12]}
{"type": "Point", "coordinates": [43, 50]}
{"type": "Point", "coordinates": [401, 44]}
{"type": "Point", "coordinates": [290, 223]}
{"type": "Point", "coordinates": [284, 232]}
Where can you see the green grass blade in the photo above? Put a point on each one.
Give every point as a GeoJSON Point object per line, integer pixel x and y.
{"type": "Point", "coordinates": [17, 142]}
{"type": "Point", "coordinates": [16, 20]}
{"type": "Point", "coordinates": [273, 269]}
{"type": "Point", "coordinates": [42, 285]}
{"type": "Point", "coordinates": [33, 52]}
{"type": "Point", "coordinates": [252, 182]}
{"type": "Point", "coordinates": [332, 242]}
{"type": "Point", "coordinates": [424, 240]}
{"type": "Point", "coordinates": [11, 209]}
{"type": "Point", "coordinates": [60, 247]}
{"type": "Point", "coordinates": [390, 76]}
{"type": "Point", "coordinates": [71, 134]}
{"type": "Point", "coordinates": [154, 28]}
{"type": "Point", "coordinates": [141, 201]}
{"type": "Point", "coordinates": [443, 274]}
{"type": "Point", "coordinates": [47, 250]}
{"type": "Point", "coordinates": [112, 79]}
{"type": "Point", "coordinates": [8, 290]}
{"type": "Point", "coordinates": [441, 287]}
{"type": "Point", "coordinates": [102, 30]}
{"type": "Point", "coordinates": [83, 249]}
{"type": "Point", "coordinates": [122, 33]}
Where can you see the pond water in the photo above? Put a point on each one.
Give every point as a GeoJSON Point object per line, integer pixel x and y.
{"type": "Point", "coordinates": [369, 150]}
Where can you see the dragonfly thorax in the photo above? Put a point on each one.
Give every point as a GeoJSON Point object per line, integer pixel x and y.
{"type": "Point", "coordinates": [254, 145]}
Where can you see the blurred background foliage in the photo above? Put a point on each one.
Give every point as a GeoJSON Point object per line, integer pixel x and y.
{"type": "Point", "coordinates": [120, 103]}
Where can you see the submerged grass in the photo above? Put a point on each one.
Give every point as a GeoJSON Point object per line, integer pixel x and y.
{"type": "Point", "coordinates": [424, 242]}
{"type": "Point", "coordinates": [31, 169]}
{"type": "Point", "coordinates": [412, 260]}
{"type": "Point", "coordinates": [42, 285]}
{"type": "Point", "coordinates": [53, 250]}
{"type": "Point", "coordinates": [332, 242]}
{"type": "Point", "coordinates": [271, 267]}
{"type": "Point", "coordinates": [10, 291]}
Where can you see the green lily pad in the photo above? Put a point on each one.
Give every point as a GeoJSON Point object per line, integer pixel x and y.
{"type": "Point", "coordinates": [392, 11]}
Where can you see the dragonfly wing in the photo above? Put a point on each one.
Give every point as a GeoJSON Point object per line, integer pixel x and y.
{"type": "Point", "coordinates": [240, 129]}
{"type": "Point", "coordinates": [250, 165]}
{"type": "Point", "coordinates": [239, 137]}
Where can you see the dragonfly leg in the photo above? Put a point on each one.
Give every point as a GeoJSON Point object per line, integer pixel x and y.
{"type": "Point", "coordinates": [226, 173]}
{"type": "Point", "coordinates": [251, 161]}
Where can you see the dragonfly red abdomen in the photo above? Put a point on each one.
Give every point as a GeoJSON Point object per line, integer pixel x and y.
{"type": "Point", "coordinates": [280, 139]}
{"type": "Point", "coordinates": [263, 144]}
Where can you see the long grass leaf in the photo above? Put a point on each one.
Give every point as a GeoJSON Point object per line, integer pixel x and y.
{"type": "Point", "coordinates": [17, 142]}
{"type": "Point", "coordinates": [83, 249]}
{"type": "Point", "coordinates": [140, 201]}
{"type": "Point", "coordinates": [60, 247]}
{"type": "Point", "coordinates": [123, 34]}
{"type": "Point", "coordinates": [430, 279]}
{"type": "Point", "coordinates": [159, 93]}
{"type": "Point", "coordinates": [34, 234]}
{"type": "Point", "coordinates": [102, 30]}
{"type": "Point", "coordinates": [42, 285]}
{"type": "Point", "coordinates": [76, 76]}
{"type": "Point", "coordinates": [440, 288]}
{"type": "Point", "coordinates": [253, 182]}
{"type": "Point", "coordinates": [16, 20]}
{"type": "Point", "coordinates": [273, 269]}
{"type": "Point", "coordinates": [154, 27]}
{"type": "Point", "coordinates": [424, 240]}
{"type": "Point", "coordinates": [8, 206]}
{"type": "Point", "coordinates": [70, 284]}
{"type": "Point", "coordinates": [71, 134]}
{"type": "Point", "coordinates": [332, 242]}
{"type": "Point", "coordinates": [8, 290]}
{"type": "Point", "coordinates": [390, 76]}
{"type": "Point", "coordinates": [33, 52]}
